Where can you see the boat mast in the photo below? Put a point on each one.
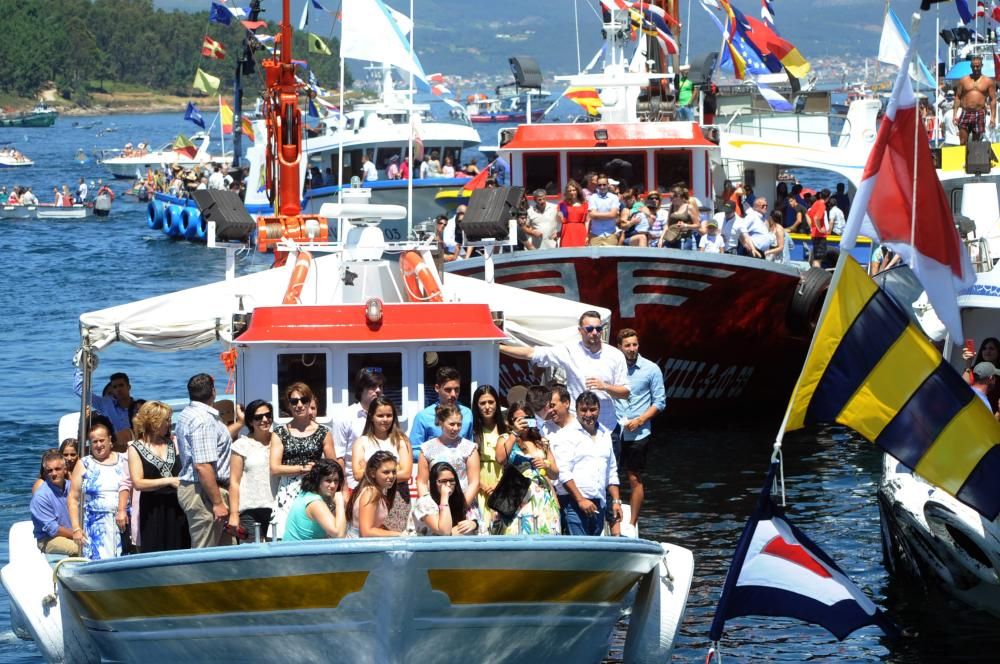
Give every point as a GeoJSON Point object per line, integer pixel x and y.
{"type": "Point", "coordinates": [284, 123]}
{"type": "Point", "coordinates": [245, 64]}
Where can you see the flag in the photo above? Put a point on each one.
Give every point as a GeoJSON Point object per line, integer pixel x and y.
{"type": "Point", "coordinates": [238, 13]}
{"type": "Point", "coordinates": [767, 13]}
{"type": "Point", "coordinates": [219, 14]}
{"type": "Point", "coordinates": [980, 9]}
{"type": "Point", "coordinates": [315, 3]}
{"type": "Point", "coordinates": [963, 10]}
{"type": "Point", "coordinates": [738, 56]}
{"type": "Point", "coordinates": [870, 368]}
{"type": "Point", "coordinates": [996, 14]}
{"type": "Point", "coordinates": [774, 99]}
{"type": "Point", "coordinates": [892, 49]}
{"type": "Point", "coordinates": [317, 45]}
{"type": "Point", "coordinates": [304, 19]}
{"type": "Point", "coordinates": [183, 145]}
{"type": "Point", "coordinates": [313, 111]}
{"type": "Point", "coordinates": [767, 42]}
{"type": "Point", "coordinates": [205, 82]}
{"type": "Point", "coordinates": [212, 49]}
{"type": "Point", "coordinates": [478, 182]}
{"type": "Point", "coordinates": [778, 571]}
{"type": "Point", "coordinates": [247, 126]}
{"type": "Point", "coordinates": [225, 116]}
{"type": "Point", "coordinates": [194, 115]}
{"type": "Point", "coordinates": [587, 98]}
{"type": "Point", "coordinates": [908, 208]}
{"type": "Point", "coordinates": [370, 33]}
{"type": "Point", "coordinates": [253, 25]}
{"type": "Point", "coordinates": [654, 24]}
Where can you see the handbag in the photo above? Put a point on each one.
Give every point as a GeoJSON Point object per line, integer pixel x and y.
{"type": "Point", "coordinates": [509, 493]}
{"type": "Point", "coordinates": [672, 233]}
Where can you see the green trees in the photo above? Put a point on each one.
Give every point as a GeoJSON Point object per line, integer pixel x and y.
{"type": "Point", "coordinates": [79, 45]}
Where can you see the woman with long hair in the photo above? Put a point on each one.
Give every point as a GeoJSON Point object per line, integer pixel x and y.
{"type": "Point", "coordinates": [776, 232]}
{"type": "Point", "coordinates": [443, 510]}
{"type": "Point", "coordinates": [382, 433]}
{"type": "Point", "coordinates": [576, 216]}
{"type": "Point", "coordinates": [989, 351]}
{"type": "Point", "coordinates": [369, 504]}
{"type": "Point", "coordinates": [318, 511]}
{"type": "Point", "coordinates": [298, 445]}
{"type": "Point", "coordinates": [525, 451]}
{"type": "Point", "coordinates": [487, 427]}
{"type": "Point", "coordinates": [460, 452]}
{"type": "Point", "coordinates": [251, 486]}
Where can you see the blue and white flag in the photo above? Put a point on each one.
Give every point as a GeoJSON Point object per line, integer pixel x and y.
{"type": "Point", "coordinates": [220, 14]}
{"type": "Point", "coordinates": [892, 49]}
{"type": "Point", "coordinates": [778, 571]}
{"type": "Point", "coordinates": [754, 64]}
{"type": "Point", "coordinates": [194, 115]}
{"type": "Point", "coordinates": [774, 99]}
{"type": "Point", "coordinates": [767, 12]}
{"type": "Point", "coordinates": [963, 10]}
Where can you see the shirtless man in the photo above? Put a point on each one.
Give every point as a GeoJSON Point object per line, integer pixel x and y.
{"type": "Point", "coordinates": [972, 94]}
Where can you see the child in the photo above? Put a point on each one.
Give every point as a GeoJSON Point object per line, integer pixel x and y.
{"type": "Point", "coordinates": [712, 242]}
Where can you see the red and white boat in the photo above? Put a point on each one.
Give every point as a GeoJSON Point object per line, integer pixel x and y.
{"type": "Point", "coordinates": [730, 333]}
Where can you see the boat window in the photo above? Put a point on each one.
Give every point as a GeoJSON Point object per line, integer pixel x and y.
{"type": "Point", "coordinates": [458, 359]}
{"type": "Point", "coordinates": [308, 368]}
{"type": "Point", "coordinates": [541, 171]}
{"type": "Point", "coordinates": [390, 365]}
{"type": "Point", "coordinates": [629, 168]}
{"type": "Point", "coordinates": [671, 168]}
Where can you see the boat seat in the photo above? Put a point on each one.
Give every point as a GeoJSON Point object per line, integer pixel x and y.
{"type": "Point", "coordinates": [227, 410]}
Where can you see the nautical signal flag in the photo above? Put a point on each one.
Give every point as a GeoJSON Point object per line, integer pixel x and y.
{"type": "Point", "coordinates": [778, 571]}
{"type": "Point", "coordinates": [587, 98]}
{"type": "Point", "coordinates": [225, 116]}
{"type": "Point", "coordinates": [909, 211]}
{"type": "Point", "coordinates": [871, 369]}
{"type": "Point", "coordinates": [220, 14]}
{"type": "Point", "coordinates": [205, 82]}
{"type": "Point", "coordinates": [767, 12]}
{"type": "Point", "coordinates": [980, 9]}
{"type": "Point", "coordinates": [212, 49]}
{"type": "Point", "coordinates": [767, 43]}
{"type": "Point", "coordinates": [317, 45]}
{"type": "Point", "coordinates": [194, 115]}
{"type": "Point", "coordinates": [183, 145]}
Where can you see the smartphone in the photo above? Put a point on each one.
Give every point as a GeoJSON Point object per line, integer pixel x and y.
{"type": "Point", "coordinates": [970, 345]}
{"type": "Point", "coordinates": [530, 422]}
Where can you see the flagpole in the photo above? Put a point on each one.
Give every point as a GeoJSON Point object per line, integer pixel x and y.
{"type": "Point", "coordinates": [409, 181]}
{"type": "Point", "coordinates": [222, 129]}
{"type": "Point", "coordinates": [342, 123]}
{"type": "Point", "coordinates": [576, 25]}
{"type": "Point", "coordinates": [687, 35]}
{"type": "Point", "coordinates": [938, 134]}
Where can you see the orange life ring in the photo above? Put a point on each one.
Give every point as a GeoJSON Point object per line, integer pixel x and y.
{"type": "Point", "coordinates": [419, 279]}
{"type": "Point", "coordinates": [298, 279]}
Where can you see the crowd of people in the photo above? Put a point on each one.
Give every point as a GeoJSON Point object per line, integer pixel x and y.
{"type": "Point", "coordinates": [181, 182]}
{"type": "Point", "coordinates": [149, 485]}
{"type": "Point", "coordinates": [61, 196]}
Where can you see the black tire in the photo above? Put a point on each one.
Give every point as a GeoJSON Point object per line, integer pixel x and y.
{"type": "Point", "coordinates": [804, 309]}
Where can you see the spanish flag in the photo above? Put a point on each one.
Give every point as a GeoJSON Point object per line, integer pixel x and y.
{"type": "Point", "coordinates": [226, 116]}
{"type": "Point", "coordinates": [871, 369]}
{"type": "Point", "coordinates": [586, 98]}
{"type": "Point", "coordinates": [247, 127]}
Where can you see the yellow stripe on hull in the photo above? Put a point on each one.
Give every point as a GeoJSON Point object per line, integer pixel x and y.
{"type": "Point", "coordinates": [511, 586]}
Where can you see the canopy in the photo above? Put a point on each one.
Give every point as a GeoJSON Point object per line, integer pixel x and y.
{"type": "Point", "coordinates": [200, 316]}
{"type": "Point", "coordinates": [964, 68]}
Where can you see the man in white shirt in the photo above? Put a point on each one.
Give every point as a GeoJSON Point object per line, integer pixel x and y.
{"type": "Point", "coordinates": [350, 422]}
{"type": "Point", "coordinates": [727, 224]}
{"type": "Point", "coordinates": [217, 180]}
{"type": "Point", "coordinates": [543, 222]}
{"type": "Point", "coordinates": [368, 171]}
{"type": "Point", "coordinates": [590, 364]}
{"type": "Point", "coordinates": [753, 230]}
{"type": "Point", "coordinates": [587, 471]}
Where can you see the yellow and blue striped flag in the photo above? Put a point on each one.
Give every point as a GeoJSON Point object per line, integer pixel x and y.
{"type": "Point", "coordinates": [871, 369]}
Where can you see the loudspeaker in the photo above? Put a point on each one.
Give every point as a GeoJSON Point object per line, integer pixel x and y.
{"type": "Point", "coordinates": [489, 212]}
{"type": "Point", "coordinates": [232, 221]}
{"type": "Point", "coordinates": [527, 74]}
{"type": "Point", "coordinates": [701, 70]}
{"type": "Point", "coordinates": [978, 157]}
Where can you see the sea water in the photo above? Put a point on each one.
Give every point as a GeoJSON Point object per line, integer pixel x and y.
{"type": "Point", "coordinates": [701, 484]}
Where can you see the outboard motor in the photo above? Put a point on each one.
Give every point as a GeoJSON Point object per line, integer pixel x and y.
{"type": "Point", "coordinates": [102, 205]}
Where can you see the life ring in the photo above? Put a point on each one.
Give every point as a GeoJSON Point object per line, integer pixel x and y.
{"type": "Point", "coordinates": [804, 309]}
{"type": "Point", "coordinates": [298, 279]}
{"type": "Point", "coordinates": [418, 278]}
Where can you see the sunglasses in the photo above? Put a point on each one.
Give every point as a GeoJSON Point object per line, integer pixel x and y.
{"type": "Point", "coordinates": [593, 328]}
{"type": "Point", "coordinates": [451, 481]}
{"type": "Point", "coordinates": [261, 416]}
{"type": "Point", "coordinates": [295, 401]}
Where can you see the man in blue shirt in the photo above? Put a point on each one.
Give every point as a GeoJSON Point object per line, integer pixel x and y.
{"type": "Point", "coordinates": [49, 509]}
{"type": "Point", "coordinates": [604, 210]}
{"type": "Point", "coordinates": [118, 406]}
{"type": "Point", "coordinates": [647, 398]}
{"type": "Point", "coordinates": [448, 384]}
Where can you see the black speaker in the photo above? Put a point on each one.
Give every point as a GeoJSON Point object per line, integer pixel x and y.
{"type": "Point", "coordinates": [526, 72]}
{"type": "Point", "coordinates": [978, 157]}
{"type": "Point", "coordinates": [489, 212]}
{"type": "Point", "coordinates": [701, 70]}
{"type": "Point", "coordinates": [232, 221]}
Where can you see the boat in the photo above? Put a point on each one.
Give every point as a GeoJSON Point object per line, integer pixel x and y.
{"type": "Point", "coordinates": [17, 211]}
{"type": "Point", "coordinates": [507, 108]}
{"type": "Point", "coordinates": [13, 158]}
{"type": "Point", "coordinates": [128, 164]}
{"type": "Point", "coordinates": [41, 115]}
{"type": "Point", "coordinates": [75, 211]}
{"type": "Point", "coordinates": [698, 314]}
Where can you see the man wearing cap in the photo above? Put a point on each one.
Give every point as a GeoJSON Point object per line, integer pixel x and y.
{"type": "Point", "coordinates": [604, 208]}
{"type": "Point", "coordinates": [711, 241]}
{"type": "Point", "coordinates": [983, 376]}
{"type": "Point", "coordinates": [726, 221]}
{"type": "Point", "coordinates": [686, 94]}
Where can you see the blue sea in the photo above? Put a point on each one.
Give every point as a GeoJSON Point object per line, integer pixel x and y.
{"type": "Point", "coordinates": [701, 485]}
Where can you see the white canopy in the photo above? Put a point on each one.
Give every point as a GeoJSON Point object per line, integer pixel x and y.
{"type": "Point", "coordinates": [201, 316]}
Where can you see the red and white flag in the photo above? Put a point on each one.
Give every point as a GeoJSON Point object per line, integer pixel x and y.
{"type": "Point", "coordinates": [909, 212]}
{"type": "Point", "coordinates": [980, 9]}
{"type": "Point", "coordinates": [212, 49]}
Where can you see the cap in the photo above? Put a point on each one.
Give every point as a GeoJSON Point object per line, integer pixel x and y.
{"type": "Point", "coordinates": [684, 68]}
{"type": "Point", "coordinates": [712, 223]}
{"type": "Point", "coordinates": [654, 193]}
{"type": "Point", "coordinates": [613, 182]}
{"type": "Point", "coordinates": [984, 370]}
{"type": "Point", "coordinates": [728, 207]}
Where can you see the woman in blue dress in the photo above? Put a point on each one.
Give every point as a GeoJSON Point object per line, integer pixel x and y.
{"type": "Point", "coordinates": [102, 479]}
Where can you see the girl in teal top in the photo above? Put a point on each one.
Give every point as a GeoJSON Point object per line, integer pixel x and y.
{"type": "Point", "coordinates": [318, 511]}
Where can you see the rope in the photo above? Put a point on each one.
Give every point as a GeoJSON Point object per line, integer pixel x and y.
{"type": "Point", "coordinates": [228, 358]}
{"type": "Point", "coordinates": [50, 600]}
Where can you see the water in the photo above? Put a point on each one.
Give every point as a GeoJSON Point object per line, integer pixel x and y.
{"type": "Point", "coordinates": [57, 270]}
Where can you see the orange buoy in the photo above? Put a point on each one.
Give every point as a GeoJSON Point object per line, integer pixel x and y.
{"type": "Point", "coordinates": [298, 279]}
{"type": "Point", "coordinates": [418, 278]}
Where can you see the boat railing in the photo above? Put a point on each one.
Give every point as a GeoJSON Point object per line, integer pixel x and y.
{"type": "Point", "coordinates": [979, 253]}
{"type": "Point", "coordinates": [747, 122]}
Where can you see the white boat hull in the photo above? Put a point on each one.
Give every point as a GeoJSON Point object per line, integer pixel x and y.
{"type": "Point", "coordinates": [541, 599]}
{"type": "Point", "coordinates": [17, 211]}
{"type": "Point", "coordinates": [929, 534]}
{"type": "Point", "coordinates": [63, 212]}
{"type": "Point", "coordinates": [131, 168]}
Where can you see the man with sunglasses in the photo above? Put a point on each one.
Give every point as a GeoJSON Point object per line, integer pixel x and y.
{"type": "Point", "coordinates": [589, 364]}
{"type": "Point", "coordinates": [604, 209]}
